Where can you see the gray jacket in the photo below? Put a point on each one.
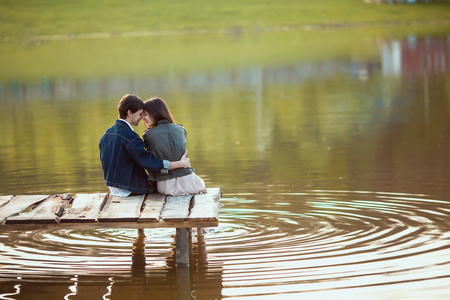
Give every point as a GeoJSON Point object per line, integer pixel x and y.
{"type": "Point", "coordinates": [167, 141]}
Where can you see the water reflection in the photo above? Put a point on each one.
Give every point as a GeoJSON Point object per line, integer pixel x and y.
{"type": "Point", "coordinates": [342, 240]}
{"type": "Point", "coordinates": [414, 56]}
{"type": "Point", "coordinates": [138, 254]}
{"type": "Point", "coordinates": [334, 171]}
{"type": "Point", "coordinates": [146, 281]}
{"type": "Point", "coordinates": [314, 108]}
{"type": "Point", "coordinates": [306, 244]}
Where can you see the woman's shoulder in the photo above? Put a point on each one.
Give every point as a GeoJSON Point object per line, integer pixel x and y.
{"type": "Point", "coordinates": [181, 128]}
{"type": "Point", "coordinates": [162, 128]}
{"type": "Point", "coordinates": [146, 132]}
{"type": "Point", "coordinates": [149, 134]}
{"type": "Point", "coordinates": [174, 126]}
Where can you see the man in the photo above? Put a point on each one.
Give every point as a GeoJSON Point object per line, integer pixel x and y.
{"type": "Point", "coordinates": [123, 155]}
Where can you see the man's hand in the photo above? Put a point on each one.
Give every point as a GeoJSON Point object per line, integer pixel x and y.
{"type": "Point", "coordinates": [184, 162]}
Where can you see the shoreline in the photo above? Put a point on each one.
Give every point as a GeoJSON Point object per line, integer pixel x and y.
{"type": "Point", "coordinates": [232, 30]}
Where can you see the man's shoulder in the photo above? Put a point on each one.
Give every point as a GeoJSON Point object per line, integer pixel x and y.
{"type": "Point", "coordinates": [121, 129]}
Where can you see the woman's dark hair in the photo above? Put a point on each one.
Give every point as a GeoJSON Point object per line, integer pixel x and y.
{"type": "Point", "coordinates": [158, 110]}
{"type": "Point", "coordinates": [129, 102]}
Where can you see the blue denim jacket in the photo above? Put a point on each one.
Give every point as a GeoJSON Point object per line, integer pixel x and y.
{"type": "Point", "coordinates": [124, 159]}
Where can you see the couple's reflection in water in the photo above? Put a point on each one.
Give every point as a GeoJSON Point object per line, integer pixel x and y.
{"type": "Point", "coordinates": [198, 281]}
{"type": "Point", "coordinates": [201, 280]}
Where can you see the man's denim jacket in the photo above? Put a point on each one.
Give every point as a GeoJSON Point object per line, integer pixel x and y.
{"type": "Point", "coordinates": [124, 159]}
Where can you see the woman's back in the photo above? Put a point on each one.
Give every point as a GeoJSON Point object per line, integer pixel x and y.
{"type": "Point", "coordinates": [166, 140]}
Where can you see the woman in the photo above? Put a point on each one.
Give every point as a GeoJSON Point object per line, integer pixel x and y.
{"type": "Point", "coordinates": [167, 140]}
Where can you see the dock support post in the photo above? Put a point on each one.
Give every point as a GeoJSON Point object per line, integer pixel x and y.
{"type": "Point", "coordinates": [182, 245]}
{"type": "Point", "coordinates": [184, 284]}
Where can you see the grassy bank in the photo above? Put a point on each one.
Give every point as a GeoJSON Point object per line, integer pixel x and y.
{"type": "Point", "coordinates": [24, 18]}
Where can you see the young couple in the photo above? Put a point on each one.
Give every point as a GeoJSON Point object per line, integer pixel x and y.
{"type": "Point", "coordinates": [125, 156]}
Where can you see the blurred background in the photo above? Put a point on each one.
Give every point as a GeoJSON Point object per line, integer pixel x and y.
{"type": "Point", "coordinates": [299, 110]}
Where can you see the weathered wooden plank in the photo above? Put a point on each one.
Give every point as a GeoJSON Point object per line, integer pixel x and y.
{"type": "Point", "coordinates": [85, 208]}
{"type": "Point", "coordinates": [122, 209]}
{"type": "Point", "coordinates": [5, 199]}
{"type": "Point", "coordinates": [174, 218]}
{"type": "Point", "coordinates": [206, 206]}
{"type": "Point", "coordinates": [18, 204]}
{"type": "Point", "coordinates": [108, 225]}
{"type": "Point", "coordinates": [153, 206]}
{"type": "Point", "coordinates": [48, 211]}
{"type": "Point", "coordinates": [176, 208]}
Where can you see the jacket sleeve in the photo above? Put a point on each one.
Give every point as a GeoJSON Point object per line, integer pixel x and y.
{"type": "Point", "coordinates": [136, 148]}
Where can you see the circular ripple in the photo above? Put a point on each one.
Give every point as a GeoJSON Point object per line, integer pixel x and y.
{"type": "Point", "coordinates": [80, 251]}
{"type": "Point", "coordinates": [315, 242]}
{"type": "Point", "coordinates": [335, 240]}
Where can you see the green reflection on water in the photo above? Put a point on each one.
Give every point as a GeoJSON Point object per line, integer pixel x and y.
{"type": "Point", "coordinates": [270, 112]}
{"type": "Point", "coordinates": [88, 58]}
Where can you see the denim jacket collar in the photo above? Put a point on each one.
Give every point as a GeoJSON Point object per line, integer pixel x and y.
{"type": "Point", "coordinates": [124, 122]}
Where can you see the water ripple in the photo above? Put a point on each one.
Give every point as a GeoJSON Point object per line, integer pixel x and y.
{"type": "Point", "coordinates": [307, 243]}
{"type": "Point", "coordinates": [337, 240]}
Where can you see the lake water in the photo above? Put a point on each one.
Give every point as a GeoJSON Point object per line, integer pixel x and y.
{"type": "Point", "coordinates": [331, 149]}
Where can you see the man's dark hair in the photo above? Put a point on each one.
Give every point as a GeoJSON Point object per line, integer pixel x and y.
{"type": "Point", "coordinates": [129, 102]}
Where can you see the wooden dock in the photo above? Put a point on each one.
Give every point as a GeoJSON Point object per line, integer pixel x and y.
{"type": "Point", "coordinates": [95, 211]}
